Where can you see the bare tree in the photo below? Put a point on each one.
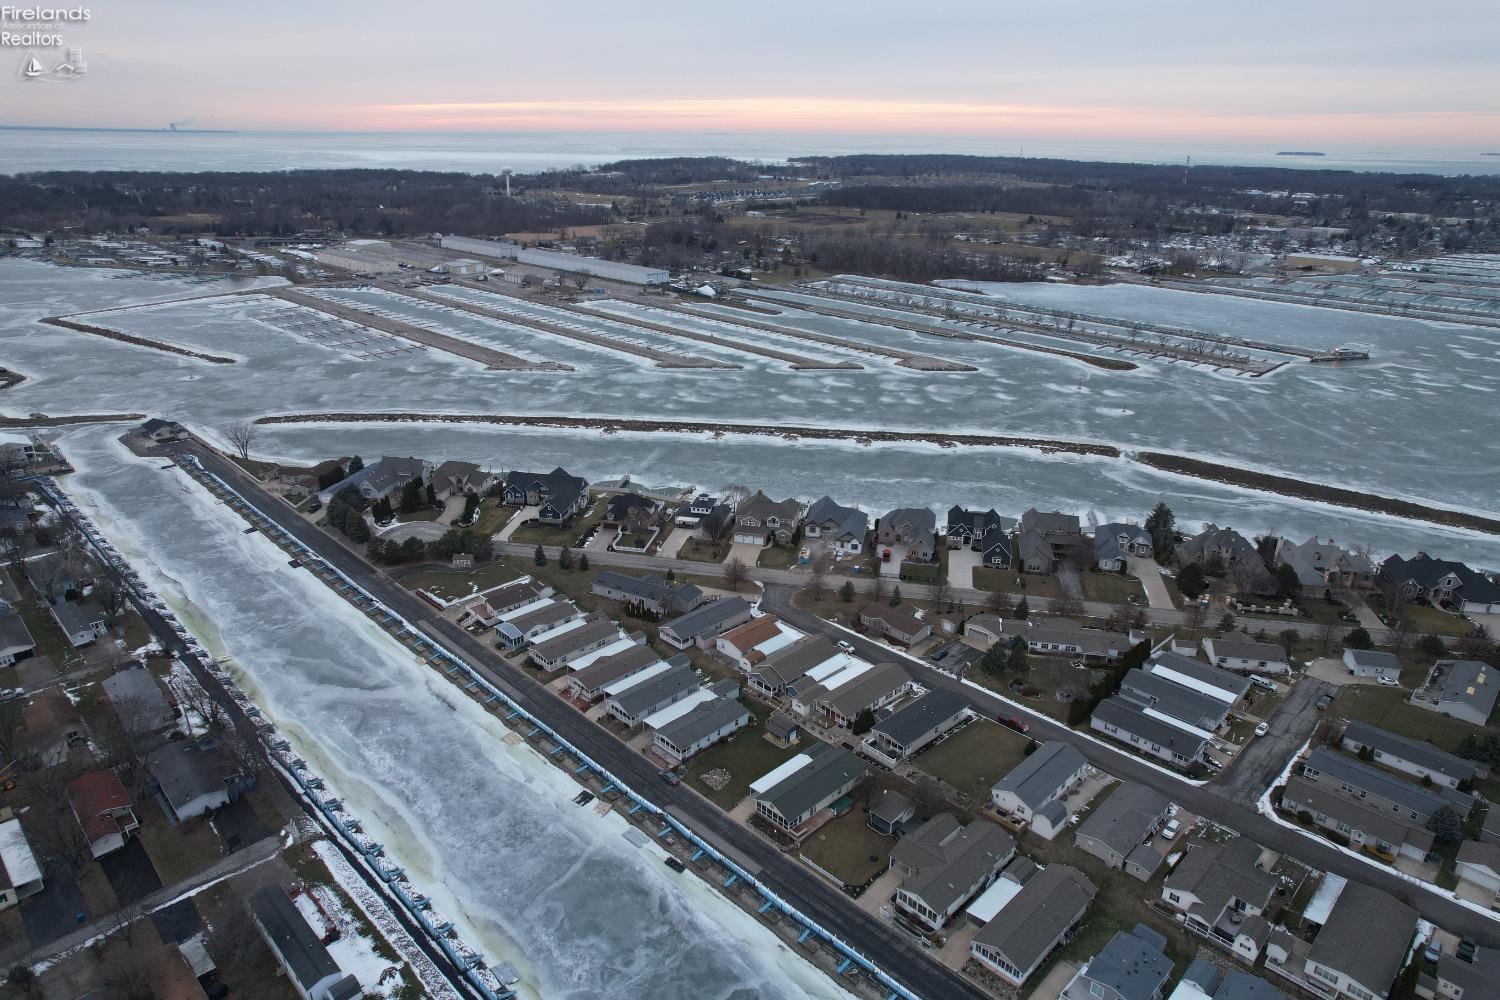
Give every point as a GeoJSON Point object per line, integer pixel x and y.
{"type": "Point", "coordinates": [242, 436]}
{"type": "Point", "coordinates": [817, 582]}
{"type": "Point", "coordinates": [1393, 596]}
{"type": "Point", "coordinates": [996, 601]}
{"type": "Point", "coordinates": [942, 594]}
{"type": "Point", "coordinates": [736, 573]}
{"type": "Point", "coordinates": [1192, 620]}
{"type": "Point", "coordinates": [1326, 635]}
{"type": "Point", "coordinates": [110, 597]}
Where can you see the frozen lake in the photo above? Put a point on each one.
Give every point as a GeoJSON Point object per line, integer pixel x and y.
{"type": "Point", "coordinates": [488, 830]}
{"type": "Point", "coordinates": [1416, 422]}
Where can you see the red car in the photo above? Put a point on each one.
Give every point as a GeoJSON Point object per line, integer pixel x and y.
{"type": "Point", "coordinates": [885, 556]}
{"type": "Point", "coordinates": [1015, 722]}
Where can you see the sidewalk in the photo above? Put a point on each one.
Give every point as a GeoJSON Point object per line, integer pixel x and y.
{"type": "Point", "coordinates": [253, 856]}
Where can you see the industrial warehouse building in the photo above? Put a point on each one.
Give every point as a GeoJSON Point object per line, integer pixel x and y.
{"type": "Point", "coordinates": [573, 263]}
{"type": "Point", "coordinates": [378, 257]}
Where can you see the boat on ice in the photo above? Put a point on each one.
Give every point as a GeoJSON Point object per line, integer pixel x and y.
{"type": "Point", "coordinates": [1352, 352]}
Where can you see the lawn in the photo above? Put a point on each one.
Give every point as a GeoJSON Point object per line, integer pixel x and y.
{"type": "Point", "coordinates": [49, 639]}
{"type": "Point", "coordinates": [1426, 620]}
{"type": "Point", "coordinates": [449, 584]}
{"type": "Point", "coordinates": [424, 514]}
{"type": "Point", "coordinates": [992, 578]}
{"type": "Point", "coordinates": [703, 552]}
{"type": "Point", "coordinates": [1111, 588]}
{"type": "Point", "coordinates": [1046, 674]}
{"type": "Point", "coordinates": [975, 757]}
{"type": "Point", "coordinates": [777, 557]}
{"type": "Point", "coordinates": [177, 851]}
{"type": "Point", "coordinates": [746, 756]}
{"type": "Point", "coordinates": [137, 632]}
{"type": "Point", "coordinates": [493, 515]}
{"type": "Point", "coordinates": [849, 850]}
{"type": "Point", "coordinates": [536, 533]}
{"type": "Point", "coordinates": [1388, 708]}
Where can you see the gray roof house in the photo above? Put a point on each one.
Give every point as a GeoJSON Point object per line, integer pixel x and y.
{"type": "Point", "coordinates": [1373, 663]}
{"type": "Point", "coordinates": [1119, 830]}
{"type": "Point", "coordinates": [794, 793]}
{"type": "Point", "coordinates": [645, 693]}
{"type": "Point", "coordinates": [946, 865]}
{"type": "Point", "coordinates": [1046, 538]}
{"type": "Point", "coordinates": [1114, 543]}
{"type": "Point", "coordinates": [705, 623]}
{"type": "Point", "coordinates": [195, 777]}
{"type": "Point", "coordinates": [1178, 703]}
{"type": "Point", "coordinates": [558, 495]}
{"type": "Point", "coordinates": [913, 728]}
{"type": "Point", "coordinates": [789, 664]}
{"type": "Point", "coordinates": [588, 683]}
{"type": "Point", "coordinates": [983, 531]}
{"type": "Point", "coordinates": [1049, 637]}
{"type": "Point", "coordinates": [390, 475]}
{"type": "Point", "coordinates": [1132, 966]}
{"type": "Point", "coordinates": [1415, 757]}
{"type": "Point", "coordinates": [1443, 580]}
{"type": "Point", "coordinates": [556, 649]}
{"type": "Point", "coordinates": [1365, 824]}
{"type": "Point", "coordinates": [1460, 980]}
{"type": "Point", "coordinates": [1363, 943]}
{"type": "Point", "coordinates": [1016, 941]}
{"type": "Point", "coordinates": [81, 621]}
{"type": "Point", "coordinates": [1246, 656]}
{"type": "Point", "coordinates": [15, 637]}
{"type": "Point", "coordinates": [1033, 790]}
{"type": "Point", "coordinates": [1221, 891]}
{"type": "Point", "coordinates": [1212, 982]}
{"type": "Point", "coordinates": [460, 479]}
{"type": "Point", "coordinates": [1405, 799]}
{"type": "Point", "coordinates": [1232, 551]}
{"type": "Point", "coordinates": [313, 972]}
{"type": "Point", "coordinates": [914, 527]}
{"type": "Point", "coordinates": [762, 521]}
{"type": "Point", "coordinates": [1127, 720]}
{"type": "Point", "coordinates": [890, 813]}
{"type": "Point", "coordinates": [842, 527]}
{"type": "Point", "coordinates": [1466, 690]}
{"type": "Point", "coordinates": [1321, 565]}
{"type": "Point", "coordinates": [136, 699]}
{"type": "Point", "coordinates": [650, 591]}
{"type": "Point", "coordinates": [702, 725]}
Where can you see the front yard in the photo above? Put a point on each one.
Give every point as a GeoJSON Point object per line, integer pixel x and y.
{"type": "Point", "coordinates": [453, 583]}
{"type": "Point", "coordinates": [1388, 708]}
{"type": "Point", "coordinates": [1046, 675]}
{"type": "Point", "coordinates": [746, 756]}
{"type": "Point", "coordinates": [975, 757]}
{"type": "Point", "coordinates": [1111, 588]}
{"type": "Point", "coordinates": [535, 533]}
{"type": "Point", "coordinates": [992, 578]}
{"type": "Point", "coordinates": [849, 850]}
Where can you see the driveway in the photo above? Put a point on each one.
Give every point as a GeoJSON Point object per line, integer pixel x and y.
{"type": "Point", "coordinates": [961, 563]}
{"type": "Point", "coordinates": [521, 517]}
{"type": "Point", "coordinates": [1072, 583]}
{"type": "Point", "coordinates": [603, 539]}
{"type": "Point", "coordinates": [674, 543]}
{"type": "Point", "coordinates": [1261, 759]}
{"type": "Point", "coordinates": [898, 553]}
{"type": "Point", "coordinates": [453, 506]}
{"type": "Point", "coordinates": [746, 552]}
{"type": "Point", "coordinates": [1149, 573]}
{"type": "Point", "coordinates": [1332, 671]}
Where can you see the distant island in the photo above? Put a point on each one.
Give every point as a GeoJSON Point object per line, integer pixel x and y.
{"type": "Point", "coordinates": [1300, 152]}
{"type": "Point", "coordinates": [1489, 154]}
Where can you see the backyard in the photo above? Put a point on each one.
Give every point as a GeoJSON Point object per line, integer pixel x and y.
{"type": "Point", "coordinates": [746, 756]}
{"type": "Point", "coordinates": [1388, 708]}
{"type": "Point", "coordinates": [974, 758]}
{"type": "Point", "coordinates": [848, 849]}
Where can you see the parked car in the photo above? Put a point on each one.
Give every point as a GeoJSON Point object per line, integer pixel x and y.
{"type": "Point", "coordinates": [676, 864]}
{"type": "Point", "coordinates": [1262, 729]}
{"type": "Point", "coordinates": [671, 777]}
{"type": "Point", "coordinates": [1387, 681]}
{"type": "Point", "coordinates": [1433, 951]}
{"type": "Point", "coordinates": [845, 645]}
{"type": "Point", "coordinates": [1171, 830]}
{"type": "Point", "coordinates": [314, 507]}
{"type": "Point", "coordinates": [1466, 950]}
{"type": "Point", "coordinates": [885, 556]}
{"type": "Point", "coordinates": [1324, 700]}
{"type": "Point", "coordinates": [1015, 722]}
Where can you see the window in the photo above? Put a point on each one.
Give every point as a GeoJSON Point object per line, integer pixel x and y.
{"type": "Point", "coordinates": [1323, 973]}
{"type": "Point", "coordinates": [1096, 990]}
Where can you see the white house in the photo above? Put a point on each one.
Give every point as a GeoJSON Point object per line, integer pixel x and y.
{"type": "Point", "coordinates": [1033, 790]}
{"type": "Point", "coordinates": [1373, 663]}
{"type": "Point", "coordinates": [1247, 657]}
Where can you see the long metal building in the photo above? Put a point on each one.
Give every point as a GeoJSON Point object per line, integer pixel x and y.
{"type": "Point", "coordinates": [571, 262]}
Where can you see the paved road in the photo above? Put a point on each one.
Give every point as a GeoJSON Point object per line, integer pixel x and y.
{"type": "Point", "coordinates": [1262, 758]}
{"type": "Point", "coordinates": [1209, 801]}
{"type": "Point", "coordinates": [820, 902]}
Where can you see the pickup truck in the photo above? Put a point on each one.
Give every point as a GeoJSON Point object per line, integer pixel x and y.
{"type": "Point", "coordinates": [1015, 722]}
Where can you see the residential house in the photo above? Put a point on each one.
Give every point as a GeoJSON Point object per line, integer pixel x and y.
{"type": "Point", "coordinates": [840, 689]}
{"type": "Point", "coordinates": [1128, 722]}
{"type": "Point", "coordinates": [770, 677]}
{"type": "Point", "coordinates": [1328, 769]}
{"type": "Point", "coordinates": [1222, 892]}
{"type": "Point", "coordinates": [790, 797]}
{"type": "Point", "coordinates": [1247, 656]}
{"type": "Point", "coordinates": [82, 622]}
{"type": "Point", "coordinates": [309, 968]}
{"type": "Point", "coordinates": [1373, 663]}
{"type": "Point", "coordinates": [844, 528]}
{"type": "Point", "coordinates": [1048, 538]}
{"type": "Point", "coordinates": [16, 642]}
{"type": "Point", "coordinates": [697, 722]}
{"type": "Point", "coordinates": [54, 576]}
{"type": "Point", "coordinates": [1471, 980]}
{"type": "Point", "coordinates": [195, 777]}
{"type": "Point", "coordinates": [1033, 791]}
{"type": "Point", "coordinates": [137, 701]}
{"type": "Point", "coordinates": [1322, 566]}
{"type": "Point", "coordinates": [946, 864]}
{"type": "Point", "coordinates": [1132, 966]}
{"type": "Point", "coordinates": [896, 624]}
{"type": "Point", "coordinates": [1464, 689]}
{"type": "Point", "coordinates": [388, 476]}
{"type": "Point", "coordinates": [1179, 704]}
{"type": "Point", "coordinates": [713, 526]}
{"type": "Point", "coordinates": [529, 622]}
{"type": "Point", "coordinates": [1362, 945]}
{"type": "Point", "coordinates": [749, 644]}
{"type": "Point", "coordinates": [1121, 829]}
{"type": "Point", "coordinates": [763, 521]}
{"type": "Point", "coordinates": [691, 512]}
{"type": "Point", "coordinates": [1478, 865]}
{"type": "Point", "coordinates": [890, 813]}
{"type": "Point", "coordinates": [634, 698]}
{"type": "Point", "coordinates": [783, 730]}
{"type": "Point", "coordinates": [983, 531]}
{"type": "Point", "coordinates": [556, 649]}
{"type": "Point", "coordinates": [1443, 581]}
{"type": "Point", "coordinates": [485, 609]}
{"type": "Point", "coordinates": [910, 730]}
{"type": "Point", "coordinates": [587, 684]}
{"type": "Point", "coordinates": [650, 591]}
{"type": "Point", "coordinates": [1216, 548]}
{"type": "Point", "coordinates": [1017, 940]}
{"type": "Point", "coordinates": [103, 809]}
{"type": "Point", "coordinates": [1365, 824]}
{"type": "Point", "coordinates": [461, 479]}
{"type": "Point", "coordinates": [1417, 758]}
{"type": "Point", "coordinates": [704, 624]}
{"type": "Point", "coordinates": [1114, 543]}
{"type": "Point", "coordinates": [20, 875]}
{"type": "Point", "coordinates": [159, 430]}
{"type": "Point", "coordinates": [631, 513]}
{"type": "Point", "coordinates": [1199, 676]}
{"type": "Point", "coordinates": [1203, 980]}
{"type": "Point", "coordinates": [912, 527]}
{"type": "Point", "coordinates": [52, 727]}
{"type": "Point", "coordinates": [557, 495]}
{"type": "Point", "coordinates": [1048, 637]}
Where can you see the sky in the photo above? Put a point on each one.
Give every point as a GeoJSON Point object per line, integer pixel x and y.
{"type": "Point", "coordinates": [1295, 75]}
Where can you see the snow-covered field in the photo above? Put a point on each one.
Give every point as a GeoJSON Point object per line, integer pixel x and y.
{"type": "Point", "coordinates": [486, 829]}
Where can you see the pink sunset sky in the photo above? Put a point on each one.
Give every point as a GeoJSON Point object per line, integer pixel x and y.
{"type": "Point", "coordinates": [1373, 73]}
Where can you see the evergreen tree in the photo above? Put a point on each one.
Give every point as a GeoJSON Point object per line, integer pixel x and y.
{"type": "Point", "coordinates": [1023, 610]}
{"type": "Point", "coordinates": [583, 560]}
{"type": "Point", "coordinates": [383, 511]}
{"type": "Point", "coordinates": [863, 722]}
{"type": "Point", "coordinates": [1358, 638]}
{"type": "Point", "coordinates": [1017, 662]}
{"type": "Point", "coordinates": [471, 508]}
{"type": "Point", "coordinates": [671, 576]}
{"type": "Point", "coordinates": [1190, 581]}
{"type": "Point", "coordinates": [541, 556]}
{"type": "Point", "coordinates": [1162, 524]}
{"type": "Point", "coordinates": [846, 592]}
{"type": "Point", "coordinates": [431, 496]}
{"type": "Point", "coordinates": [358, 532]}
{"type": "Point", "coordinates": [413, 549]}
{"type": "Point", "coordinates": [565, 558]}
{"type": "Point", "coordinates": [356, 464]}
{"type": "Point", "coordinates": [896, 596]}
{"type": "Point", "coordinates": [411, 496]}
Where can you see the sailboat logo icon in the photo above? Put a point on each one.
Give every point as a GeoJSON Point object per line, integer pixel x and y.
{"type": "Point", "coordinates": [32, 67]}
{"type": "Point", "coordinates": [70, 67]}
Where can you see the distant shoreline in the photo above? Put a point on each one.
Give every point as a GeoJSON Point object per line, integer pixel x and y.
{"type": "Point", "coordinates": [147, 131]}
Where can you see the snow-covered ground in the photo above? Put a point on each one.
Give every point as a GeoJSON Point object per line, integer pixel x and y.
{"type": "Point", "coordinates": [1413, 422]}
{"type": "Point", "coordinates": [488, 830]}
